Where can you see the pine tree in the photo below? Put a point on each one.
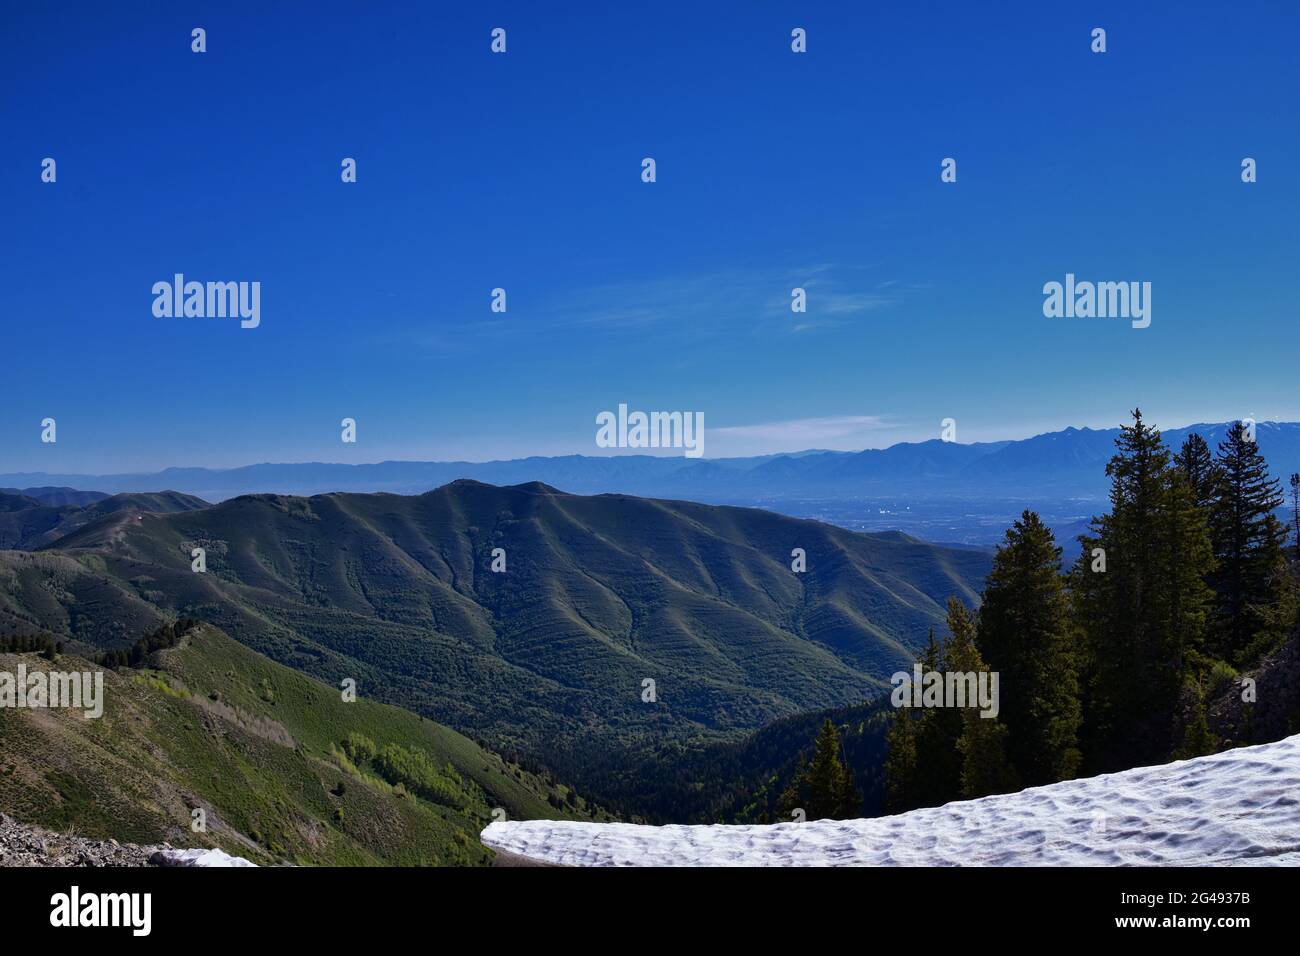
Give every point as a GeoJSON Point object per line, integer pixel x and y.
{"type": "Point", "coordinates": [938, 763]}
{"type": "Point", "coordinates": [1025, 634]}
{"type": "Point", "coordinates": [1108, 603]}
{"type": "Point", "coordinates": [1142, 616]}
{"type": "Point", "coordinates": [923, 768]}
{"type": "Point", "coordinates": [985, 769]}
{"type": "Point", "coordinates": [1187, 563]}
{"type": "Point", "coordinates": [1295, 508]}
{"type": "Point", "coordinates": [1247, 540]}
{"type": "Point", "coordinates": [825, 783]}
{"type": "Point", "coordinates": [982, 739]}
{"type": "Point", "coordinates": [932, 656]}
{"type": "Point", "coordinates": [794, 796]}
{"type": "Point", "coordinates": [1198, 739]}
{"type": "Point", "coordinates": [1197, 465]}
{"type": "Point", "coordinates": [900, 764]}
{"type": "Point", "coordinates": [832, 781]}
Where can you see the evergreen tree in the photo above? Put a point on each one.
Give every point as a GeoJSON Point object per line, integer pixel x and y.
{"type": "Point", "coordinates": [1198, 739]}
{"type": "Point", "coordinates": [938, 763]}
{"type": "Point", "coordinates": [932, 656]}
{"type": "Point", "coordinates": [831, 781]}
{"type": "Point", "coordinates": [985, 769]}
{"type": "Point", "coordinates": [900, 763]}
{"type": "Point", "coordinates": [1025, 634]}
{"type": "Point", "coordinates": [923, 768]}
{"type": "Point", "coordinates": [1295, 509]}
{"type": "Point", "coordinates": [794, 796]}
{"type": "Point", "coordinates": [1188, 560]}
{"type": "Point", "coordinates": [1247, 539]}
{"type": "Point", "coordinates": [1197, 465]}
{"type": "Point", "coordinates": [1146, 610]}
{"type": "Point", "coordinates": [982, 739]}
{"type": "Point", "coordinates": [824, 784]}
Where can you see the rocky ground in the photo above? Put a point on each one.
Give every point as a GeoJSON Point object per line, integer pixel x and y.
{"type": "Point", "coordinates": [1275, 710]}
{"type": "Point", "coordinates": [24, 845]}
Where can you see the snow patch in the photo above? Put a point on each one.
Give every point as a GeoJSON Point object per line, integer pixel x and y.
{"type": "Point", "coordinates": [212, 857]}
{"type": "Point", "coordinates": [1240, 807]}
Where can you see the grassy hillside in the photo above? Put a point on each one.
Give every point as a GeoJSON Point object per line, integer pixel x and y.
{"type": "Point", "coordinates": [264, 751]}
{"type": "Point", "coordinates": [547, 660]}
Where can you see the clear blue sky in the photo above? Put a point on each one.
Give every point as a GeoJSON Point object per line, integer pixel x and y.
{"type": "Point", "coordinates": [523, 171]}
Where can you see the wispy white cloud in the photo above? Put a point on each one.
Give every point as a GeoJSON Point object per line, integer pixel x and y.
{"type": "Point", "coordinates": [843, 432]}
{"type": "Point", "coordinates": [699, 306]}
{"type": "Point", "coordinates": [838, 303]}
{"type": "Point", "coordinates": [719, 301]}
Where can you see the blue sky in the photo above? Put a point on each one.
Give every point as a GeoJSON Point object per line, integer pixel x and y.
{"type": "Point", "coordinates": [522, 171]}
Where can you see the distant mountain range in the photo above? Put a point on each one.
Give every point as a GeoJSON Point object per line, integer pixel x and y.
{"type": "Point", "coordinates": [57, 496]}
{"type": "Point", "coordinates": [1058, 465]}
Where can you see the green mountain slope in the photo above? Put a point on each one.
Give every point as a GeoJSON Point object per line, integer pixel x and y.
{"type": "Point", "coordinates": [264, 751]}
{"type": "Point", "coordinates": [548, 659]}
{"type": "Point", "coordinates": [28, 523]}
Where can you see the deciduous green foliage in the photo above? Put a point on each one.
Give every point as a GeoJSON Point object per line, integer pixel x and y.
{"type": "Point", "coordinates": [410, 768]}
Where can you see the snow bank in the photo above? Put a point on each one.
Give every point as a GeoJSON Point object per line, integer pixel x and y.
{"type": "Point", "coordinates": [1241, 807]}
{"type": "Point", "coordinates": [213, 857]}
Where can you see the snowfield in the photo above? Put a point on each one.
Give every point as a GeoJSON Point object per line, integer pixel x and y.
{"type": "Point", "coordinates": [212, 857]}
{"type": "Point", "coordinates": [1241, 807]}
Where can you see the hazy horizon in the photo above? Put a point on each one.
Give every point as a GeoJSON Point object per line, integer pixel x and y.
{"type": "Point", "coordinates": [598, 453]}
